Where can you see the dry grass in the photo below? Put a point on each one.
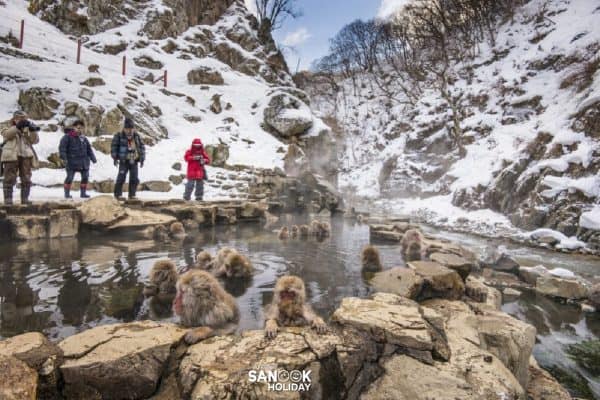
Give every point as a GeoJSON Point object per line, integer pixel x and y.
{"type": "Point", "coordinates": [583, 77]}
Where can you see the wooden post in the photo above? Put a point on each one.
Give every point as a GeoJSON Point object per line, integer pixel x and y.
{"type": "Point", "coordinates": [124, 64]}
{"type": "Point", "coordinates": [78, 51]}
{"type": "Point", "coordinates": [165, 78]}
{"type": "Point", "coordinates": [22, 35]}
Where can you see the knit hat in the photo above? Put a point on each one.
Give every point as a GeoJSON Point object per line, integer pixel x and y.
{"type": "Point", "coordinates": [197, 142]}
{"type": "Point", "coordinates": [128, 124]}
{"type": "Point", "coordinates": [19, 114]}
{"type": "Point", "coordinates": [70, 122]}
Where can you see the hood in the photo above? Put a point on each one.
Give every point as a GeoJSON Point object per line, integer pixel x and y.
{"type": "Point", "coordinates": [197, 142]}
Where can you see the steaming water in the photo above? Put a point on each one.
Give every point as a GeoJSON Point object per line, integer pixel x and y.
{"type": "Point", "coordinates": [64, 286]}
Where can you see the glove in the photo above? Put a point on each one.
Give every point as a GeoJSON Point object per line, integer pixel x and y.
{"type": "Point", "coordinates": [115, 162]}
{"type": "Point", "coordinates": [141, 164]}
{"type": "Point", "coordinates": [23, 124]}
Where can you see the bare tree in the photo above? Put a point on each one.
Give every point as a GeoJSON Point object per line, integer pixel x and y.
{"type": "Point", "coordinates": [273, 13]}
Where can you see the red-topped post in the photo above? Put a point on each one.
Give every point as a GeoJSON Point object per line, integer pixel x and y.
{"type": "Point", "coordinates": [124, 64]}
{"type": "Point", "coordinates": [78, 51]}
{"type": "Point", "coordinates": [22, 35]}
{"type": "Point", "coordinates": [165, 78]}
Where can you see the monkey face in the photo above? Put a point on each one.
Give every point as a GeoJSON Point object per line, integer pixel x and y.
{"type": "Point", "coordinates": [290, 289]}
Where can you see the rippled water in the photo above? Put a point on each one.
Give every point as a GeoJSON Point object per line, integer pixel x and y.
{"type": "Point", "coordinates": [64, 286]}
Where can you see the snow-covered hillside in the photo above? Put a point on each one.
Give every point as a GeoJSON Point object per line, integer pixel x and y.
{"type": "Point", "coordinates": [530, 128]}
{"type": "Point", "coordinates": [237, 75]}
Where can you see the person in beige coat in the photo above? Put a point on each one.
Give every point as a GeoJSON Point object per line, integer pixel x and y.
{"type": "Point", "coordinates": [18, 156]}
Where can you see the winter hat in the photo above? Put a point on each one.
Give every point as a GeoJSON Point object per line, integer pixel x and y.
{"type": "Point", "coordinates": [128, 123]}
{"type": "Point", "coordinates": [19, 114]}
{"type": "Point", "coordinates": [70, 122]}
{"type": "Point", "coordinates": [197, 142]}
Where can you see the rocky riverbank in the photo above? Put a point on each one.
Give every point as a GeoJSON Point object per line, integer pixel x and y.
{"type": "Point", "coordinates": [432, 330]}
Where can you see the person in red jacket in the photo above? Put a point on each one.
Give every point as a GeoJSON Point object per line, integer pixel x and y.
{"type": "Point", "coordinates": [196, 158]}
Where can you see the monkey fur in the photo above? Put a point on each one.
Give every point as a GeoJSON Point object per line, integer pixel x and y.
{"type": "Point", "coordinates": [163, 278]}
{"type": "Point", "coordinates": [371, 261]}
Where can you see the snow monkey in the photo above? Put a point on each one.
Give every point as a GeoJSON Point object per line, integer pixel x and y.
{"type": "Point", "coordinates": [161, 233]}
{"type": "Point", "coordinates": [204, 260]}
{"type": "Point", "coordinates": [176, 230]}
{"type": "Point", "coordinates": [229, 263]}
{"type": "Point", "coordinates": [204, 305]}
{"type": "Point", "coordinates": [163, 278]}
{"type": "Point", "coordinates": [295, 230]}
{"type": "Point", "coordinates": [289, 307]}
{"type": "Point", "coordinates": [371, 261]}
{"type": "Point", "coordinates": [284, 233]}
{"type": "Point", "coordinates": [304, 231]}
{"type": "Point", "coordinates": [412, 245]}
{"type": "Point", "coordinates": [320, 229]}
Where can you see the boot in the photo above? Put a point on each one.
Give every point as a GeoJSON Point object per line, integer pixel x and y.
{"type": "Point", "coordinates": [82, 190]}
{"type": "Point", "coordinates": [67, 191]}
{"type": "Point", "coordinates": [8, 195]}
{"type": "Point", "coordinates": [131, 192]}
{"type": "Point", "coordinates": [25, 189]}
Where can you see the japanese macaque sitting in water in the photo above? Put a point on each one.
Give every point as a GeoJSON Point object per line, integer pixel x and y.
{"type": "Point", "coordinates": [413, 246]}
{"type": "Point", "coordinates": [284, 233]}
{"type": "Point", "coordinates": [202, 304]}
{"type": "Point", "coordinates": [228, 263]}
{"type": "Point", "coordinates": [371, 262]}
{"type": "Point", "coordinates": [289, 307]}
{"type": "Point", "coordinates": [304, 231]}
{"type": "Point", "coordinates": [163, 278]}
{"type": "Point", "coordinates": [320, 229]}
{"type": "Point", "coordinates": [294, 231]}
{"type": "Point", "coordinates": [177, 230]}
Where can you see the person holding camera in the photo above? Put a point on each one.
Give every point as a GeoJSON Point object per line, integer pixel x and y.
{"type": "Point", "coordinates": [127, 150]}
{"type": "Point", "coordinates": [18, 156]}
{"type": "Point", "coordinates": [76, 153]}
{"type": "Point", "coordinates": [196, 158]}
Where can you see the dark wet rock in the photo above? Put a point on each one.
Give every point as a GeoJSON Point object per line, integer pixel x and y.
{"type": "Point", "coordinates": [438, 281]}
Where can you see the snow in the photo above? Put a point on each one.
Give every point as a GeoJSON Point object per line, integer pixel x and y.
{"type": "Point", "coordinates": [591, 219]}
{"type": "Point", "coordinates": [238, 126]}
{"type": "Point", "coordinates": [565, 242]}
{"type": "Point", "coordinates": [562, 273]}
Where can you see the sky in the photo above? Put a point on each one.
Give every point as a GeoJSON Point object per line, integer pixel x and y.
{"type": "Point", "coordinates": [306, 39]}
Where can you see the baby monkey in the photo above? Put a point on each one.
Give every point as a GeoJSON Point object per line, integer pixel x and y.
{"type": "Point", "coordinates": [289, 308]}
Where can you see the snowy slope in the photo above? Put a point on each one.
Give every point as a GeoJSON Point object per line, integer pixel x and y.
{"type": "Point", "coordinates": [513, 96]}
{"type": "Point", "coordinates": [239, 127]}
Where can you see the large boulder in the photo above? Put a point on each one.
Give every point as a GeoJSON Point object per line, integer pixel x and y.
{"type": "Point", "coordinates": [221, 365]}
{"type": "Point", "coordinates": [401, 281]}
{"type": "Point", "coordinates": [38, 103]}
{"type": "Point", "coordinates": [498, 260]}
{"type": "Point", "coordinates": [288, 115]}
{"type": "Point", "coordinates": [139, 219]}
{"type": "Point", "coordinates": [112, 122]}
{"type": "Point", "coordinates": [438, 281]}
{"type": "Point", "coordinates": [218, 154]}
{"type": "Point", "coordinates": [17, 380]}
{"type": "Point", "coordinates": [53, 224]}
{"type": "Point", "coordinates": [454, 262]}
{"type": "Point", "coordinates": [565, 288]}
{"type": "Point", "coordinates": [477, 290]}
{"type": "Point", "coordinates": [205, 76]}
{"type": "Point", "coordinates": [531, 274]}
{"type": "Point", "coordinates": [102, 211]}
{"type": "Point", "coordinates": [123, 361]}
{"type": "Point", "coordinates": [543, 386]}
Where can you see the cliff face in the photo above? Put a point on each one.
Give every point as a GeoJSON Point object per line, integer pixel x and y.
{"type": "Point", "coordinates": [528, 113]}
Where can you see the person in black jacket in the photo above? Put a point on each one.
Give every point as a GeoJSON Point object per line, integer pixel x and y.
{"type": "Point", "coordinates": [76, 153]}
{"type": "Point", "coordinates": [127, 150]}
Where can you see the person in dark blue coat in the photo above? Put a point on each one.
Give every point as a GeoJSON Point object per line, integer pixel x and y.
{"type": "Point", "coordinates": [127, 151]}
{"type": "Point", "coordinates": [76, 153]}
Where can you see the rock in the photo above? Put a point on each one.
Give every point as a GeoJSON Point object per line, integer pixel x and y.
{"type": "Point", "coordinates": [86, 94]}
{"type": "Point", "coordinates": [454, 262]}
{"type": "Point", "coordinates": [530, 274]}
{"type": "Point", "coordinates": [35, 350]}
{"type": "Point", "coordinates": [502, 279]}
{"type": "Point", "coordinates": [175, 179]}
{"type": "Point", "coordinates": [438, 281]}
{"type": "Point", "coordinates": [203, 373]}
{"type": "Point", "coordinates": [510, 294]}
{"type": "Point", "coordinates": [594, 296]}
{"type": "Point", "coordinates": [53, 224]}
{"type": "Point", "coordinates": [386, 236]}
{"type": "Point", "coordinates": [561, 287]}
{"type": "Point", "coordinates": [548, 240]}
{"type": "Point", "coordinates": [17, 380]}
{"type": "Point", "coordinates": [102, 211]}
{"type": "Point", "coordinates": [387, 318]}
{"type": "Point", "coordinates": [288, 115]}
{"type": "Point", "coordinates": [137, 219]}
{"type": "Point", "coordinates": [205, 76]}
{"type": "Point", "coordinates": [38, 103]}
{"type": "Point", "coordinates": [500, 261]}
{"type": "Point", "coordinates": [216, 104]}
{"type": "Point", "coordinates": [55, 160]}
{"type": "Point", "coordinates": [543, 386]}
{"type": "Point", "coordinates": [147, 62]}
{"type": "Point", "coordinates": [112, 122]}
{"type": "Point", "coordinates": [476, 289]}
{"type": "Point", "coordinates": [176, 166]}
{"type": "Point", "coordinates": [103, 145]}
{"type": "Point", "coordinates": [218, 154]}
{"type": "Point", "coordinates": [156, 186]}
{"type": "Point", "coordinates": [122, 361]}
{"type": "Point", "coordinates": [401, 281]}
{"type": "Point", "coordinates": [115, 48]}
{"type": "Point", "coordinates": [93, 81]}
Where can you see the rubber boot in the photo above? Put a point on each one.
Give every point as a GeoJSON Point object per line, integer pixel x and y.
{"type": "Point", "coordinates": [8, 195]}
{"type": "Point", "coordinates": [82, 190]}
{"type": "Point", "coordinates": [67, 191]}
{"type": "Point", "coordinates": [25, 189]}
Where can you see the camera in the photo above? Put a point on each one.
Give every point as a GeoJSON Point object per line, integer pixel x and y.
{"type": "Point", "coordinates": [33, 127]}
